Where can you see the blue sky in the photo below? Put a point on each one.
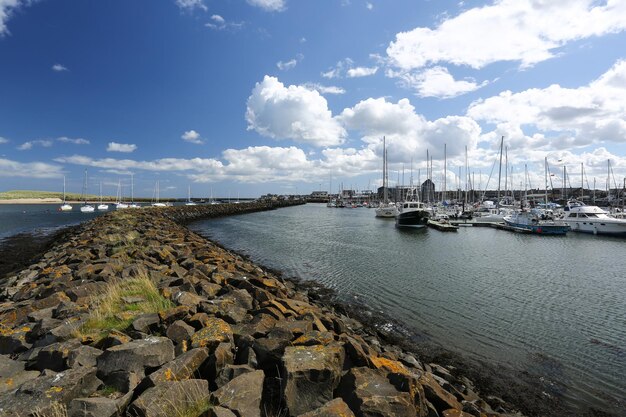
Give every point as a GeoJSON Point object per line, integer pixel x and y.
{"type": "Point", "coordinates": [278, 96]}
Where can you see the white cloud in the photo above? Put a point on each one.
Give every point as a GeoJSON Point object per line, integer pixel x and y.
{"type": "Point", "coordinates": [121, 147]}
{"type": "Point", "coordinates": [369, 5]}
{"type": "Point", "coordinates": [269, 5]}
{"type": "Point", "coordinates": [190, 5]}
{"type": "Point", "coordinates": [7, 9]}
{"type": "Point", "coordinates": [219, 23]}
{"type": "Point", "coordinates": [361, 72]}
{"type": "Point", "coordinates": [40, 142]}
{"type": "Point", "coordinates": [3, 140]}
{"type": "Point", "coordinates": [524, 31]}
{"type": "Point", "coordinates": [264, 163]}
{"type": "Point", "coordinates": [59, 68]}
{"type": "Point", "coordinates": [285, 66]}
{"type": "Point", "coordinates": [436, 82]}
{"type": "Point", "coordinates": [293, 112]}
{"type": "Point", "coordinates": [595, 113]}
{"type": "Point", "coordinates": [325, 89]}
{"type": "Point", "coordinates": [10, 168]}
{"type": "Point", "coordinates": [408, 133]}
{"type": "Point", "coordinates": [192, 136]}
{"type": "Point", "coordinates": [164, 164]}
{"type": "Point", "coordinates": [77, 141]}
{"type": "Point", "coordinates": [339, 69]}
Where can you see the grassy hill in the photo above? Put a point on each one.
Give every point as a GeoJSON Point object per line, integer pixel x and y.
{"type": "Point", "coordinates": [17, 194]}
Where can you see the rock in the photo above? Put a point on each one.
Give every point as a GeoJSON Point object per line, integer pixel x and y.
{"type": "Point", "coordinates": [242, 395]}
{"type": "Point", "coordinates": [215, 332]}
{"type": "Point", "coordinates": [269, 352]}
{"type": "Point", "coordinates": [314, 337]}
{"type": "Point", "coordinates": [94, 407]}
{"type": "Point", "coordinates": [454, 413]}
{"type": "Point", "coordinates": [183, 367]}
{"type": "Point", "coordinates": [146, 323]}
{"type": "Point", "coordinates": [230, 372]}
{"type": "Point", "coordinates": [55, 356]}
{"type": "Point", "coordinates": [83, 356]}
{"type": "Point", "coordinates": [179, 331]}
{"type": "Point", "coordinates": [369, 393]}
{"type": "Point", "coordinates": [312, 373]}
{"type": "Point", "coordinates": [123, 381]}
{"type": "Point", "coordinates": [175, 313]}
{"type": "Point", "coordinates": [12, 374]}
{"type": "Point", "coordinates": [436, 395]}
{"type": "Point", "coordinates": [114, 338]}
{"type": "Point", "coordinates": [136, 355]}
{"type": "Point", "coordinates": [49, 388]}
{"type": "Point", "coordinates": [334, 408]}
{"type": "Point", "coordinates": [13, 341]}
{"type": "Point", "coordinates": [172, 398]}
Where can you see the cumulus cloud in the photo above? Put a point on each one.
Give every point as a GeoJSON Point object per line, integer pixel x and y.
{"type": "Point", "coordinates": [522, 31]}
{"type": "Point", "coordinates": [192, 136]}
{"type": "Point", "coordinates": [269, 5]}
{"type": "Point", "coordinates": [45, 143]}
{"type": "Point", "coordinates": [76, 141]}
{"type": "Point", "coordinates": [59, 68]}
{"type": "Point", "coordinates": [10, 168]}
{"type": "Point", "coordinates": [293, 112]}
{"type": "Point", "coordinates": [164, 164]}
{"type": "Point", "coordinates": [121, 147]}
{"type": "Point", "coordinates": [437, 82]}
{"type": "Point", "coordinates": [190, 5]}
{"type": "Point", "coordinates": [3, 140]}
{"type": "Point", "coordinates": [573, 117]}
{"type": "Point", "coordinates": [361, 72]}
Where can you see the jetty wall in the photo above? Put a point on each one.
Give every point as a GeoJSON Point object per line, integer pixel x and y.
{"type": "Point", "coordinates": [135, 315]}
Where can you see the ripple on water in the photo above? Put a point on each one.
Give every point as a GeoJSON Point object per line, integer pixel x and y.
{"type": "Point", "coordinates": [551, 305]}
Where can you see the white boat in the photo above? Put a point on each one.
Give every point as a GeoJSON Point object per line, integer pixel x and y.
{"type": "Point", "coordinates": [156, 202]}
{"type": "Point", "coordinates": [102, 206]}
{"type": "Point", "coordinates": [533, 221]}
{"type": "Point", "coordinates": [65, 206]}
{"type": "Point", "coordinates": [189, 202]}
{"type": "Point", "coordinates": [132, 204]}
{"type": "Point", "coordinates": [592, 219]}
{"type": "Point", "coordinates": [386, 208]}
{"type": "Point", "coordinates": [119, 204]}
{"type": "Point", "coordinates": [86, 208]}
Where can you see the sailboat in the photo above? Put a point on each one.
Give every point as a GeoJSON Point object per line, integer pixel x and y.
{"type": "Point", "coordinates": [189, 202]}
{"type": "Point", "coordinates": [65, 206]}
{"type": "Point", "coordinates": [132, 193]}
{"type": "Point", "coordinates": [156, 197]}
{"type": "Point", "coordinates": [120, 204]}
{"type": "Point", "coordinates": [386, 208]}
{"type": "Point", "coordinates": [102, 206]}
{"type": "Point", "coordinates": [86, 208]}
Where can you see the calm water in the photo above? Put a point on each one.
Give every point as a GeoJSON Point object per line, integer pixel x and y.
{"type": "Point", "coordinates": [38, 218]}
{"type": "Point", "coordinates": [549, 305]}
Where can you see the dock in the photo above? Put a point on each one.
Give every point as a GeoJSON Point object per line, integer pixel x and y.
{"type": "Point", "coordinates": [442, 227]}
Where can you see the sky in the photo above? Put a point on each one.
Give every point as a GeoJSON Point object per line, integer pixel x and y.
{"type": "Point", "coordinates": [248, 97]}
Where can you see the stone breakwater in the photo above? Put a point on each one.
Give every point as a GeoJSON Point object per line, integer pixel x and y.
{"type": "Point", "coordinates": [135, 315]}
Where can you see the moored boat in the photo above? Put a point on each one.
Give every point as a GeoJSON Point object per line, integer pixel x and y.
{"type": "Point", "coordinates": [592, 219]}
{"type": "Point", "coordinates": [412, 214]}
{"type": "Point", "coordinates": [533, 222]}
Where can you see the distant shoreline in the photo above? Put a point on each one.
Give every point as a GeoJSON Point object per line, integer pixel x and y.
{"type": "Point", "coordinates": [45, 201]}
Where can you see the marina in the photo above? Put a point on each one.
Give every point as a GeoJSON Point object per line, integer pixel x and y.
{"type": "Point", "coordinates": [530, 305]}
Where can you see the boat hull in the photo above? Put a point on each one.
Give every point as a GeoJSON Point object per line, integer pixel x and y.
{"type": "Point", "coordinates": [414, 219]}
{"type": "Point", "coordinates": [540, 229]}
{"type": "Point", "coordinates": [598, 228]}
{"type": "Point", "coordinates": [388, 212]}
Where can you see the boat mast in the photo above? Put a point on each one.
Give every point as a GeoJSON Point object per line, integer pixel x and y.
{"type": "Point", "coordinates": [500, 171]}
{"type": "Point", "coordinates": [582, 182]}
{"type": "Point", "coordinates": [63, 189]}
{"type": "Point", "coordinates": [443, 194]}
{"type": "Point", "coordinates": [385, 174]}
{"type": "Point", "coordinates": [545, 168]}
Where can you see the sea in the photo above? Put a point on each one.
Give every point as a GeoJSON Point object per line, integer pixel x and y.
{"type": "Point", "coordinates": [550, 307]}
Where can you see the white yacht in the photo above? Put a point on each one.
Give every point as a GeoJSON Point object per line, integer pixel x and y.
{"type": "Point", "coordinates": [65, 206]}
{"type": "Point", "coordinates": [86, 208]}
{"type": "Point", "coordinates": [592, 219]}
{"type": "Point", "coordinates": [386, 208]}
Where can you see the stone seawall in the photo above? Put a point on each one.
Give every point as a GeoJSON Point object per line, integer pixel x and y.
{"type": "Point", "coordinates": [134, 314]}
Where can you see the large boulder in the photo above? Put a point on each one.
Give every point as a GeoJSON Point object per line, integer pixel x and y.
{"type": "Point", "coordinates": [334, 408]}
{"type": "Point", "coordinates": [242, 395]}
{"type": "Point", "coordinates": [311, 374]}
{"type": "Point", "coordinates": [183, 367]}
{"type": "Point", "coordinates": [135, 356]}
{"type": "Point", "coordinates": [216, 331]}
{"type": "Point", "coordinates": [369, 394]}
